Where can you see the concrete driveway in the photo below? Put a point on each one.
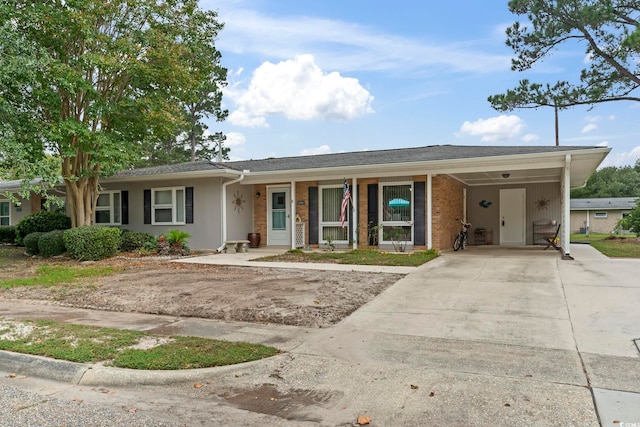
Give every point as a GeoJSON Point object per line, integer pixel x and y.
{"type": "Point", "coordinates": [486, 336]}
{"type": "Point", "coordinates": [507, 336]}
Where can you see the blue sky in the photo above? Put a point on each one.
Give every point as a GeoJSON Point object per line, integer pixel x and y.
{"type": "Point", "coordinates": [315, 77]}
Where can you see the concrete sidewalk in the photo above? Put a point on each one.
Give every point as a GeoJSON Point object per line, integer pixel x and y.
{"type": "Point", "coordinates": [486, 336]}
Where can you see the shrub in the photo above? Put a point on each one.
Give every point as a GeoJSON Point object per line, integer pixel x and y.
{"type": "Point", "coordinates": [92, 242]}
{"type": "Point", "coordinates": [31, 242]}
{"type": "Point", "coordinates": [632, 220]}
{"type": "Point", "coordinates": [173, 244]}
{"type": "Point", "coordinates": [51, 243]}
{"type": "Point", "coordinates": [41, 221]}
{"type": "Point", "coordinates": [7, 234]}
{"type": "Point", "coordinates": [136, 240]}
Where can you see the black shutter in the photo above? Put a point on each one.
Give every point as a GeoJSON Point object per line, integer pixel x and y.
{"type": "Point", "coordinates": [419, 213]}
{"type": "Point", "coordinates": [188, 197]}
{"type": "Point", "coordinates": [147, 206]}
{"type": "Point", "coordinates": [372, 212]}
{"type": "Point", "coordinates": [314, 223]}
{"type": "Point", "coordinates": [124, 214]}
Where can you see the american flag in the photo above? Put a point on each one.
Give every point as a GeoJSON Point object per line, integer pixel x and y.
{"type": "Point", "coordinates": [346, 198]}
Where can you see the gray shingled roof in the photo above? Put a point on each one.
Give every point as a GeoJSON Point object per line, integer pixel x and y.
{"type": "Point", "coordinates": [176, 168]}
{"type": "Point", "coordinates": [607, 203]}
{"type": "Point", "coordinates": [401, 155]}
{"type": "Point", "coordinates": [355, 158]}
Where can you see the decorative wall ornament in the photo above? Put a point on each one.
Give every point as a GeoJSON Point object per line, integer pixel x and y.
{"type": "Point", "coordinates": [238, 201]}
{"type": "Point", "coordinates": [485, 204]}
{"type": "Point", "coordinates": [542, 203]}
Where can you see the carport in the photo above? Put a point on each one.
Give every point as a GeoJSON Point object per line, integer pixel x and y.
{"type": "Point", "coordinates": [515, 200]}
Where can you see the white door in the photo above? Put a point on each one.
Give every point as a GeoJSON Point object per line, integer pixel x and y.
{"type": "Point", "coordinates": [279, 217]}
{"type": "Point", "coordinates": [512, 216]}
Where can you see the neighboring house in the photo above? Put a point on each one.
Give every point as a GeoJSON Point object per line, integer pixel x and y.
{"type": "Point", "coordinates": [11, 213]}
{"type": "Point", "coordinates": [414, 195]}
{"type": "Point", "coordinates": [599, 215]}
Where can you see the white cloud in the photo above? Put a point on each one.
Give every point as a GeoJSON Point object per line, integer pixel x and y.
{"type": "Point", "coordinates": [494, 129]}
{"type": "Point", "coordinates": [612, 117]}
{"type": "Point", "coordinates": [241, 118]}
{"type": "Point", "coordinates": [299, 90]}
{"type": "Point", "coordinates": [603, 144]}
{"type": "Point", "coordinates": [622, 159]}
{"type": "Point", "coordinates": [588, 128]}
{"type": "Point", "coordinates": [323, 149]}
{"type": "Point", "coordinates": [234, 139]}
{"type": "Point", "coordinates": [343, 45]}
{"type": "Point", "coordinates": [530, 137]}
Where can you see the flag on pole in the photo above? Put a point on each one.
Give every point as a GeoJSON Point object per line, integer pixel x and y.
{"type": "Point", "coordinates": [346, 198]}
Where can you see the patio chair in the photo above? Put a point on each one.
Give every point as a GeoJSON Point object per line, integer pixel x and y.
{"type": "Point", "coordinates": [552, 240]}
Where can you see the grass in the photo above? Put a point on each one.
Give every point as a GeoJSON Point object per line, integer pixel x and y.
{"type": "Point", "coordinates": [612, 245]}
{"type": "Point", "coordinates": [9, 255]}
{"type": "Point", "coordinates": [80, 343]}
{"type": "Point", "coordinates": [357, 257]}
{"type": "Point", "coordinates": [52, 275]}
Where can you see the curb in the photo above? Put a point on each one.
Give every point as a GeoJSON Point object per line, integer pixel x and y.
{"type": "Point", "coordinates": [97, 375]}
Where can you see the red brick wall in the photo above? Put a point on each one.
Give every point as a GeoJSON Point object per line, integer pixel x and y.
{"type": "Point", "coordinates": [448, 204]}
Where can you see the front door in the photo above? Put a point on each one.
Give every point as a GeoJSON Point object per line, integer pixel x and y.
{"type": "Point", "coordinates": [279, 217]}
{"type": "Point", "coordinates": [512, 216]}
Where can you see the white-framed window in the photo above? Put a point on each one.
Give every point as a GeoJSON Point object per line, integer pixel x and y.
{"type": "Point", "coordinates": [330, 224]}
{"type": "Point", "coordinates": [108, 209]}
{"type": "Point", "coordinates": [5, 212]}
{"type": "Point", "coordinates": [167, 206]}
{"type": "Point", "coordinates": [396, 212]}
{"type": "Point", "coordinates": [625, 214]}
{"type": "Point", "coordinates": [600, 214]}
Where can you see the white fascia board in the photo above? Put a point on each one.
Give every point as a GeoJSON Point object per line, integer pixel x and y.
{"type": "Point", "coordinates": [175, 175]}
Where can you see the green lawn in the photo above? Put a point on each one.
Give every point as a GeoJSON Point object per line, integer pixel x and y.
{"type": "Point", "coordinates": [357, 257]}
{"type": "Point", "coordinates": [123, 348]}
{"type": "Point", "coordinates": [613, 245]}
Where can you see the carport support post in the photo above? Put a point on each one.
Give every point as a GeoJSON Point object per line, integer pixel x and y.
{"type": "Point", "coordinates": [429, 213]}
{"type": "Point", "coordinates": [354, 208]}
{"type": "Point", "coordinates": [566, 211]}
{"type": "Point", "coordinates": [293, 214]}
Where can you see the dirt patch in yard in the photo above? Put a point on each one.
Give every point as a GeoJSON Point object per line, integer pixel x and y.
{"type": "Point", "coordinates": [308, 298]}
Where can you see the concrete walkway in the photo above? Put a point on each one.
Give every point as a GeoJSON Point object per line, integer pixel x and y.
{"type": "Point", "coordinates": [486, 336]}
{"type": "Point", "coordinates": [252, 259]}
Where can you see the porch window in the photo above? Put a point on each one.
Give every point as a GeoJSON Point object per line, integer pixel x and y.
{"type": "Point", "coordinates": [108, 208]}
{"type": "Point", "coordinates": [168, 206]}
{"type": "Point", "coordinates": [5, 212]}
{"type": "Point", "coordinates": [397, 212]}
{"type": "Point", "coordinates": [330, 224]}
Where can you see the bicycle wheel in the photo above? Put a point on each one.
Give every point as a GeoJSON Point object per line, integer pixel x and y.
{"type": "Point", "coordinates": [457, 244]}
{"type": "Point", "coordinates": [464, 241]}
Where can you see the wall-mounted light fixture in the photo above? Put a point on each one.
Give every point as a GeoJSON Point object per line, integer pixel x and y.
{"type": "Point", "coordinates": [257, 194]}
{"type": "Point", "coordinates": [506, 175]}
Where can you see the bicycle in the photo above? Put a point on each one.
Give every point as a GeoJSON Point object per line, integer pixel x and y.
{"type": "Point", "coordinates": [461, 239]}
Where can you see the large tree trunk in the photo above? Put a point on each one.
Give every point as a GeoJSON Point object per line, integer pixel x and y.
{"type": "Point", "coordinates": [82, 193]}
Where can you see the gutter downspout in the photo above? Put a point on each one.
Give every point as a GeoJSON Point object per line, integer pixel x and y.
{"type": "Point", "coordinates": [224, 208]}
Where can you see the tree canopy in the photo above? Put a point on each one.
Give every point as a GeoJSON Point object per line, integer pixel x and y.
{"type": "Point", "coordinates": [95, 83]}
{"type": "Point", "coordinates": [611, 182]}
{"type": "Point", "coordinates": [610, 32]}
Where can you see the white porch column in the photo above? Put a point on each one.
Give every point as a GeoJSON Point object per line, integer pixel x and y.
{"type": "Point", "coordinates": [293, 214]}
{"type": "Point", "coordinates": [566, 208]}
{"type": "Point", "coordinates": [354, 212]}
{"type": "Point", "coordinates": [429, 213]}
